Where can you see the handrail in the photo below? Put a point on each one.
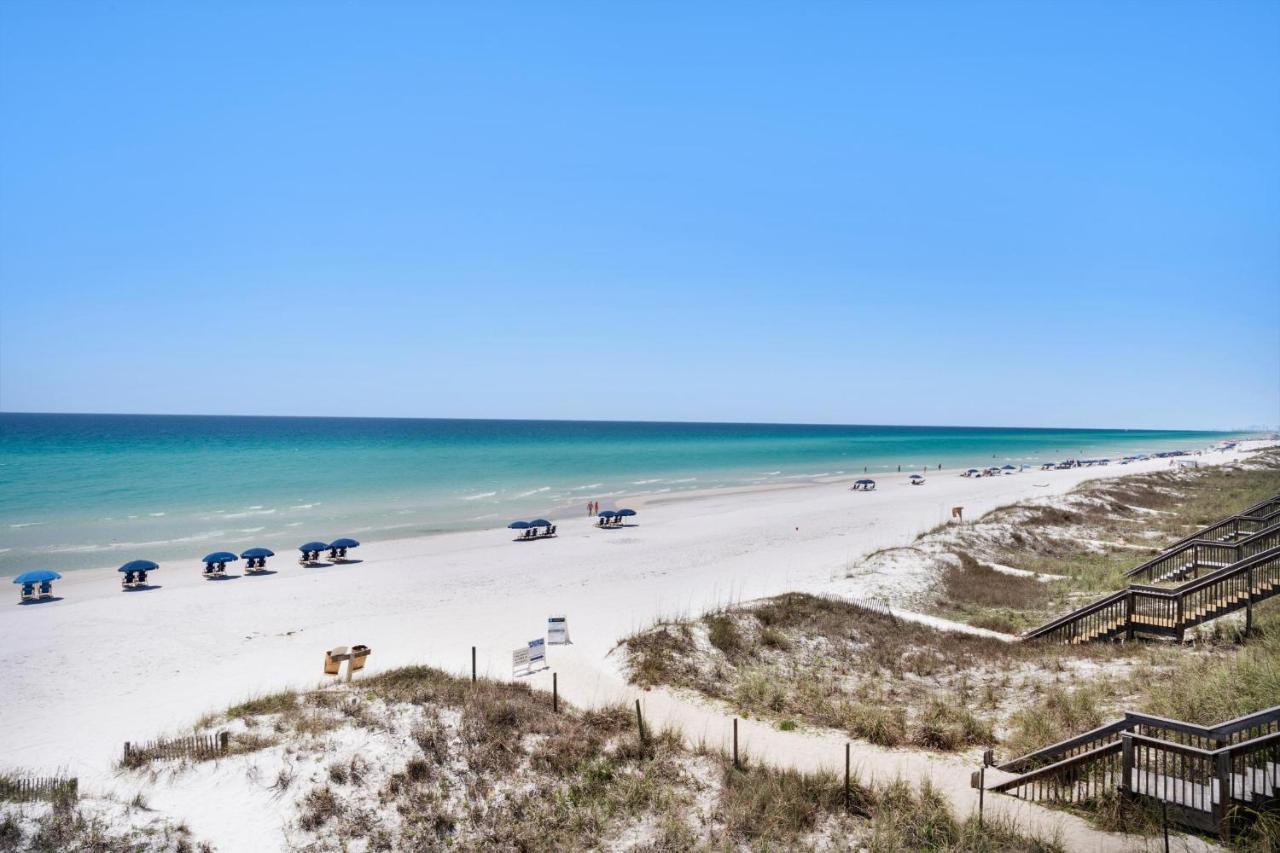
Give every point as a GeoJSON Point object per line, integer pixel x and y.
{"type": "Point", "coordinates": [1015, 765]}
{"type": "Point", "coordinates": [1057, 767]}
{"type": "Point", "coordinates": [1237, 546]}
{"type": "Point", "coordinates": [1249, 513]}
{"type": "Point", "coordinates": [1132, 719]}
{"type": "Point", "coordinates": [1174, 746]}
{"type": "Point", "coordinates": [1079, 612]}
{"type": "Point", "coordinates": [1171, 594]}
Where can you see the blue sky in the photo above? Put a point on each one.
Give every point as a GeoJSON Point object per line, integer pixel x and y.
{"type": "Point", "coordinates": [1043, 214]}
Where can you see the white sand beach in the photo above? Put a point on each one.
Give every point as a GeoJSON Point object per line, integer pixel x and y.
{"type": "Point", "coordinates": [100, 667]}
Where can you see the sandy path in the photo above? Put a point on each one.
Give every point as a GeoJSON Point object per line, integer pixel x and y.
{"type": "Point", "coordinates": [585, 682]}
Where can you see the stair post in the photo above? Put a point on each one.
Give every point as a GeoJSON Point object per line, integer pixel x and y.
{"type": "Point", "coordinates": [1248, 603]}
{"type": "Point", "coordinates": [1182, 630]}
{"type": "Point", "coordinates": [1128, 616]}
{"type": "Point", "coordinates": [1222, 808]}
{"type": "Point", "coordinates": [1126, 762]}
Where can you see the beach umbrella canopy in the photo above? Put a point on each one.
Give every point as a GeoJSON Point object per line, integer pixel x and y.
{"type": "Point", "coordinates": [865, 482]}
{"type": "Point", "coordinates": [625, 513]}
{"type": "Point", "coordinates": [220, 557]}
{"type": "Point", "coordinates": [539, 522]}
{"type": "Point", "coordinates": [313, 546]}
{"type": "Point", "coordinates": [255, 553]}
{"type": "Point", "coordinates": [608, 513]}
{"type": "Point", "coordinates": [518, 525]}
{"type": "Point", "coordinates": [138, 566]}
{"type": "Point", "coordinates": [37, 576]}
{"type": "Point", "coordinates": [917, 476]}
{"type": "Point", "coordinates": [1011, 468]}
{"type": "Point", "coordinates": [344, 543]}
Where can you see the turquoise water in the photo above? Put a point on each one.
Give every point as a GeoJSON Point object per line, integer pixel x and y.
{"type": "Point", "coordinates": [97, 490]}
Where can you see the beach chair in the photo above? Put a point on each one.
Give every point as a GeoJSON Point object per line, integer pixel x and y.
{"type": "Point", "coordinates": [46, 589]}
{"type": "Point", "coordinates": [127, 581]}
{"type": "Point", "coordinates": [28, 591]}
{"type": "Point", "coordinates": [551, 531]}
{"type": "Point", "coordinates": [142, 578]}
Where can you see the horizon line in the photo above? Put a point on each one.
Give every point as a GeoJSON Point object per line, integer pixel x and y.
{"type": "Point", "coordinates": [1255, 428]}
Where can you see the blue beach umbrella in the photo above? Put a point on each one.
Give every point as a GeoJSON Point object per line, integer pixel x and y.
{"type": "Point", "coordinates": [518, 525]}
{"type": "Point", "coordinates": [866, 482]}
{"type": "Point", "coordinates": [625, 513]}
{"type": "Point", "coordinates": [344, 543]}
{"type": "Point", "coordinates": [138, 566]}
{"type": "Point", "coordinates": [220, 557]}
{"type": "Point", "coordinates": [255, 553]}
{"type": "Point", "coordinates": [37, 576]}
{"type": "Point", "coordinates": [313, 546]}
{"type": "Point", "coordinates": [608, 513]}
{"type": "Point", "coordinates": [539, 522]}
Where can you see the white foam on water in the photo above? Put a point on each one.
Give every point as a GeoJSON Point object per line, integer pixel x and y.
{"type": "Point", "coordinates": [155, 514]}
{"type": "Point", "coordinates": [249, 513]}
{"type": "Point", "coordinates": [684, 480]}
{"type": "Point", "coordinates": [252, 529]}
{"type": "Point", "coordinates": [587, 486]}
{"type": "Point", "coordinates": [479, 496]}
{"type": "Point", "coordinates": [534, 492]}
{"type": "Point", "coordinates": [29, 524]}
{"type": "Point", "coordinates": [646, 482]}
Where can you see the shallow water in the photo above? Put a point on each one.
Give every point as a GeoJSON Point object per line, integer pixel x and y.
{"type": "Point", "coordinates": [93, 490]}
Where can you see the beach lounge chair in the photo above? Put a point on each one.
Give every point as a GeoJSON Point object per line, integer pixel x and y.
{"type": "Point", "coordinates": [551, 531]}
{"type": "Point", "coordinates": [142, 578]}
{"type": "Point", "coordinates": [46, 589]}
{"type": "Point", "coordinates": [28, 591]}
{"type": "Point", "coordinates": [127, 581]}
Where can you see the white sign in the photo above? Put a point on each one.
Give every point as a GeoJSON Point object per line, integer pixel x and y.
{"type": "Point", "coordinates": [537, 652]}
{"type": "Point", "coordinates": [520, 661]}
{"type": "Point", "coordinates": [557, 630]}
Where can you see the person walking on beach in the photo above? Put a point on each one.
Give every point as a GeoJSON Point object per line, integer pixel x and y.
{"type": "Point", "coordinates": [588, 507]}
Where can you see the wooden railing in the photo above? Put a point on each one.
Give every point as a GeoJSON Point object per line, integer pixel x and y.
{"type": "Point", "coordinates": [1253, 519]}
{"type": "Point", "coordinates": [1190, 557]}
{"type": "Point", "coordinates": [1170, 611]}
{"type": "Point", "coordinates": [1202, 773]}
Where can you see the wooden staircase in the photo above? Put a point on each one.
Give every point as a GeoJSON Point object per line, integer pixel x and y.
{"type": "Point", "coordinates": [1208, 777]}
{"type": "Point", "coordinates": [1168, 611]}
{"type": "Point", "coordinates": [1231, 565]}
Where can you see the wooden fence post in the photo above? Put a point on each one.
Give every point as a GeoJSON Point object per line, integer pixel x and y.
{"type": "Point", "coordinates": [473, 664]}
{"type": "Point", "coordinates": [224, 740]}
{"type": "Point", "coordinates": [846, 776]}
{"type": "Point", "coordinates": [736, 766]}
{"type": "Point", "coordinates": [640, 724]}
{"type": "Point", "coordinates": [1126, 762]}
{"type": "Point", "coordinates": [555, 693]}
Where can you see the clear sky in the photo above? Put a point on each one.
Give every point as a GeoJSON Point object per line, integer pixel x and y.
{"type": "Point", "coordinates": [1042, 214]}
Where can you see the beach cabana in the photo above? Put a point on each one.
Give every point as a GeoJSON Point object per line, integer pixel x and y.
{"type": "Point", "coordinates": [521, 525]}
{"type": "Point", "coordinates": [606, 517]}
{"type": "Point", "coordinates": [1009, 469]}
{"type": "Point", "coordinates": [864, 485]}
{"type": "Point", "coordinates": [972, 472]}
{"type": "Point", "coordinates": [916, 479]}
{"type": "Point", "coordinates": [135, 573]}
{"type": "Point", "coordinates": [43, 578]}
{"type": "Point", "coordinates": [338, 548]}
{"type": "Point", "coordinates": [215, 564]}
{"type": "Point", "coordinates": [256, 559]}
{"type": "Point", "coordinates": [311, 552]}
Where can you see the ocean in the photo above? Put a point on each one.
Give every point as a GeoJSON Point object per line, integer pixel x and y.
{"type": "Point", "coordinates": [80, 491]}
